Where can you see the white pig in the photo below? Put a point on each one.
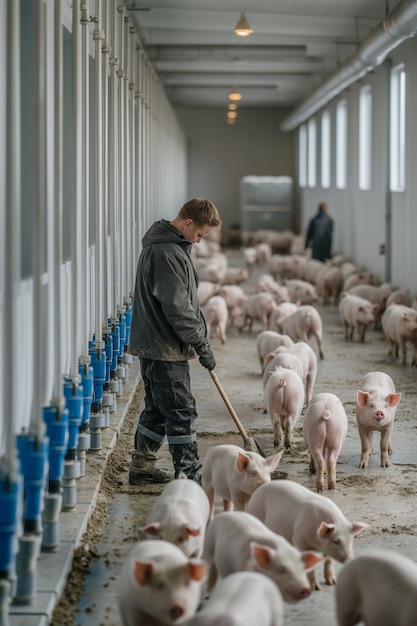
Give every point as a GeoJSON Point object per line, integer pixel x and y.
{"type": "Point", "coordinates": [284, 309]}
{"type": "Point", "coordinates": [266, 342]}
{"type": "Point", "coordinates": [242, 598]}
{"type": "Point", "coordinates": [235, 297]}
{"type": "Point", "coordinates": [301, 291]}
{"type": "Point", "coordinates": [284, 401]}
{"type": "Point", "coordinates": [234, 474]}
{"type": "Point", "coordinates": [207, 289]}
{"type": "Point", "coordinates": [180, 515]}
{"type": "Point", "coordinates": [378, 589]}
{"type": "Point", "coordinates": [308, 358]}
{"type": "Point", "coordinates": [303, 324]}
{"type": "Point", "coordinates": [281, 358]}
{"type": "Point", "coordinates": [356, 313]}
{"type": "Point", "coordinates": [258, 306]}
{"type": "Point", "coordinates": [324, 430]}
{"type": "Point", "coordinates": [376, 405]}
{"type": "Point", "coordinates": [308, 520]}
{"type": "Point", "coordinates": [159, 585]}
{"type": "Point", "coordinates": [399, 323]}
{"type": "Point", "coordinates": [216, 314]}
{"type": "Point", "coordinates": [239, 541]}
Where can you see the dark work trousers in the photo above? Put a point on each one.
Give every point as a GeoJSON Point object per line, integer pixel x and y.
{"type": "Point", "coordinates": [170, 410]}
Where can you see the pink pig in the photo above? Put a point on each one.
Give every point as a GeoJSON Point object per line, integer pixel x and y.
{"type": "Point", "coordinates": [159, 585]}
{"type": "Point", "coordinates": [239, 541]}
{"type": "Point", "coordinates": [376, 404]}
{"type": "Point", "coordinates": [216, 315]}
{"type": "Point", "coordinates": [258, 306]}
{"type": "Point", "coordinates": [356, 313]}
{"type": "Point", "coordinates": [234, 474]}
{"type": "Point", "coordinates": [180, 514]}
{"type": "Point", "coordinates": [308, 520]}
{"type": "Point", "coordinates": [303, 324]}
{"type": "Point", "coordinates": [242, 598]}
{"type": "Point", "coordinates": [284, 401]}
{"type": "Point", "coordinates": [324, 430]}
{"type": "Point", "coordinates": [305, 353]}
{"type": "Point", "coordinates": [377, 589]}
{"type": "Point", "coordinates": [267, 341]}
{"type": "Point", "coordinates": [399, 323]}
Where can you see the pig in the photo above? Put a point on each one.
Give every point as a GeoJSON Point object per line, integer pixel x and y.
{"type": "Point", "coordinates": [283, 310]}
{"type": "Point", "coordinates": [376, 405]}
{"type": "Point", "coordinates": [239, 541]}
{"type": "Point", "coordinates": [301, 291]}
{"type": "Point", "coordinates": [399, 324]}
{"type": "Point", "coordinates": [234, 474]}
{"type": "Point", "coordinates": [357, 278]}
{"type": "Point", "coordinates": [303, 324]}
{"type": "Point", "coordinates": [263, 252]}
{"type": "Point", "coordinates": [236, 275]}
{"type": "Point", "coordinates": [234, 297]}
{"type": "Point", "coordinates": [180, 515]}
{"type": "Point", "coordinates": [330, 284]}
{"type": "Point", "coordinates": [267, 341]}
{"type": "Point", "coordinates": [308, 520]}
{"type": "Point", "coordinates": [242, 598]}
{"type": "Point", "coordinates": [216, 314]}
{"type": "Point", "coordinates": [284, 401]}
{"type": "Point", "coordinates": [356, 313]}
{"type": "Point", "coordinates": [324, 431]}
{"type": "Point", "coordinates": [307, 356]}
{"type": "Point", "coordinates": [207, 289]}
{"type": "Point", "coordinates": [159, 585]}
{"type": "Point", "coordinates": [281, 358]}
{"type": "Point", "coordinates": [400, 296]}
{"type": "Point", "coordinates": [377, 295]}
{"type": "Point", "coordinates": [258, 306]}
{"type": "Point", "coordinates": [250, 255]}
{"type": "Point", "coordinates": [377, 589]}
{"type": "Point", "coordinates": [267, 283]}
{"type": "Point", "coordinates": [213, 269]}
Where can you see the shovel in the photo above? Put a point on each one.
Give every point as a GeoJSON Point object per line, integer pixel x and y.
{"type": "Point", "coordinates": [249, 444]}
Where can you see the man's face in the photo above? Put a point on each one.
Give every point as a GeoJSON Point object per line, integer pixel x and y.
{"type": "Point", "coordinates": [194, 232]}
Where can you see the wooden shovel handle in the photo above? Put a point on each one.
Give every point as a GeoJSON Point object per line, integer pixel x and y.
{"type": "Point", "coordinates": [227, 403]}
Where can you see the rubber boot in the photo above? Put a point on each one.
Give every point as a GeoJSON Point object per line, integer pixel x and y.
{"type": "Point", "coordinates": [142, 469]}
{"type": "Point", "coordinates": [185, 459]}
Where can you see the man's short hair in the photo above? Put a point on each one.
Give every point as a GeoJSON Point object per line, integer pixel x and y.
{"type": "Point", "coordinates": [201, 211]}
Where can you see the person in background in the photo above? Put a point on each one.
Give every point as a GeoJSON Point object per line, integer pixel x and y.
{"type": "Point", "coordinates": [320, 234]}
{"type": "Point", "coordinates": [168, 329]}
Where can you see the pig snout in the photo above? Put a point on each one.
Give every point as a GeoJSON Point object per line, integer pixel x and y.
{"type": "Point", "coordinates": [176, 611]}
{"type": "Point", "coordinates": [304, 593]}
{"type": "Point", "coordinates": [379, 415]}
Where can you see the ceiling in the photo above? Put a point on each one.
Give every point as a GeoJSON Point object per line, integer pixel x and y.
{"type": "Point", "coordinates": [295, 46]}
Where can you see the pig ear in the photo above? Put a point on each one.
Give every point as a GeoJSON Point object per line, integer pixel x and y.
{"type": "Point", "coordinates": [193, 531]}
{"type": "Point", "coordinates": [310, 559]}
{"type": "Point", "coordinates": [143, 572]}
{"type": "Point", "coordinates": [197, 569]}
{"type": "Point", "coordinates": [326, 529]}
{"type": "Point", "coordinates": [243, 461]}
{"type": "Point", "coordinates": [358, 527]}
{"type": "Point", "coordinates": [362, 398]}
{"type": "Point", "coordinates": [262, 555]}
{"type": "Point", "coordinates": [152, 529]}
{"type": "Point", "coordinates": [272, 461]}
{"type": "Point", "coordinates": [393, 399]}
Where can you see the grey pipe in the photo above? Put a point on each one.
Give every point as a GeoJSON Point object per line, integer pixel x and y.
{"type": "Point", "coordinates": [113, 160]}
{"type": "Point", "coordinates": [106, 50]}
{"type": "Point", "coordinates": [85, 119]}
{"type": "Point", "coordinates": [399, 25]}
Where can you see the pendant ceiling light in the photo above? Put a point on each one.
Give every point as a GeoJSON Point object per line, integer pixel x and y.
{"type": "Point", "coordinates": [234, 94]}
{"type": "Point", "coordinates": [243, 28]}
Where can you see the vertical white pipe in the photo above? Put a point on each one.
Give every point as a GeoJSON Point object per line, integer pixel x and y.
{"type": "Point", "coordinates": [85, 183]}
{"type": "Point", "coordinates": [57, 394]}
{"type": "Point", "coordinates": [76, 236]}
{"type": "Point", "coordinates": [37, 425]}
{"type": "Point", "coordinates": [12, 231]}
{"type": "Point", "coordinates": [113, 158]}
{"type": "Point", "coordinates": [126, 181]}
{"type": "Point", "coordinates": [99, 269]}
{"type": "Point", "coordinates": [121, 198]}
{"type": "Point", "coordinates": [106, 49]}
{"type": "Point", "coordinates": [132, 159]}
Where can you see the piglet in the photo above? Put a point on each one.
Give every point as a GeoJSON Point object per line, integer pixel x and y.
{"type": "Point", "coordinates": [258, 306]}
{"type": "Point", "coordinates": [308, 520]}
{"type": "Point", "coordinates": [284, 401]}
{"type": "Point", "coordinates": [356, 314]}
{"type": "Point", "coordinates": [159, 585]}
{"type": "Point", "coordinates": [376, 405]}
{"type": "Point", "coordinates": [216, 314]}
{"type": "Point", "coordinates": [234, 474]}
{"type": "Point", "coordinates": [180, 515]}
{"type": "Point", "coordinates": [306, 322]}
{"type": "Point", "coordinates": [267, 341]}
{"type": "Point", "coordinates": [324, 430]}
{"type": "Point", "coordinates": [399, 324]}
{"type": "Point", "coordinates": [239, 541]}
{"type": "Point", "coordinates": [242, 598]}
{"type": "Point", "coordinates": [377, 589]}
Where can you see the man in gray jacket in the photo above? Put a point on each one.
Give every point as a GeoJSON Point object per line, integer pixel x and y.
{"type": "Point", "coordinates": [168, 329]}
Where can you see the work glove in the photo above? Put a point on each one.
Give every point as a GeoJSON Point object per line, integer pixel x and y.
{"type": "Point", "coordinates": [207, 359]}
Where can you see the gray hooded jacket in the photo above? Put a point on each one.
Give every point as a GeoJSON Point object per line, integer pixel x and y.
{"type": "Point", "coordinates": [167, 323]}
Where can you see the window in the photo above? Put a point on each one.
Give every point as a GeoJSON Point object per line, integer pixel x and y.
{"type": "Point", "coordinates": [302, 156]}
{"type": "Point", "coordinates": [365, 138]}
{"type": "Point", "coordinates": [341, 144]}
{"type": "Point", "coordinates": [325, 149]}
{"type": "Point", "coordinates": [312, 151]}
{"type": "Point", "coordinates": [397, 129]}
